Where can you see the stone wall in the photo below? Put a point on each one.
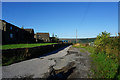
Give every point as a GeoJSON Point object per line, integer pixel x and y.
{"type": "Point", "coordinates": [28, 53]}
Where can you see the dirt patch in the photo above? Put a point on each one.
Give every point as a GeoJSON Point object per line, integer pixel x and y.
{"type": "Point", "coordinates": [78, 44]}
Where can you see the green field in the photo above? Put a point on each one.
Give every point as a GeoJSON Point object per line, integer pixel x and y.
{"type": "Point", "coordinates": [13, 46]}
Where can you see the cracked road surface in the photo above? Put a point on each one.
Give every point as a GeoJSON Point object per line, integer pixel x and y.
{"type": "Point", "coordinates": [74, 64]}
{"type": "Point", "coordinates": [82, 64]}
{"type": "Point", "coordinates": [67, 63]}
{"type": "Point", "coordinates": [34, 68]}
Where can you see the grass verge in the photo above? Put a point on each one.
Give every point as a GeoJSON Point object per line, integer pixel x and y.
{"type": "Point", "coordinates": [83, 51]}
{"type": "Point", "coordinates": [103, 66]}
{"type": "Point", "coordinates": [13, 46]}
{"type": "Point", "coordinates": [8, 61]}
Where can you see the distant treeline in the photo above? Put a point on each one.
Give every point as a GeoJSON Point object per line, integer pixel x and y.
{"type": "Point", "coordinates": [87, 40]}
{"type": "Point", "coordinates": [83, 40]}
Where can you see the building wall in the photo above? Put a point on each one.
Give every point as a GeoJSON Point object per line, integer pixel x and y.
{"type": "Point", "coordinates": [12, 34]}
{"type": "Point", "coordinates": [42, 37]}
{"type": "Point", "coordinates": [30, 35]}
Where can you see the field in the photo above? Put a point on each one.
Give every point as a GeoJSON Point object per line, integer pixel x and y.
{"type": "Point", "coordinates": [13, 46]}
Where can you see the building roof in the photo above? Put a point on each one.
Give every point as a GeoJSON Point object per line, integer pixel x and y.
{"type": "Point", "coordinates": [29, 30]}
{"type": "Point", "coordinates": [42, 33]}
{"type": "Point", "coordinates": [9, 23]}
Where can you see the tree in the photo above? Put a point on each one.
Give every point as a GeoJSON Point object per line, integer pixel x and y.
{"type": "Point", "coordinates": [56, 36]}
{"type": "Point", "coordinates": [53, 35]}
{"type": "Point", "coordinates": [22, 27]}
{"type": "Point", "coordinates": [55, 39]}
{"type": "Point", "coordinates": [101, 41]}
{"type": "Point", "coordinates": [106, 44]}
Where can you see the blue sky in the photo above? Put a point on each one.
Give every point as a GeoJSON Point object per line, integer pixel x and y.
{"type": "Point", "coordinates": [63, 18]}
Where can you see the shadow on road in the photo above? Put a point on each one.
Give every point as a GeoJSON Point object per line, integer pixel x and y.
{"type": "Point", "coordinates": [53, 52]}
{"type": "Point", "coordinates": [61, 75]}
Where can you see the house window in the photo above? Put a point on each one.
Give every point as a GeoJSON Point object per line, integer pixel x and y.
{"type": "Point", "coordinates": [11, 28]}
{"type": "Point", "coordinates": [37, 36]}
{"type": "Point", "coordinates": [17, 30]}
{"type": "Point", "coordinates": [11, 35]}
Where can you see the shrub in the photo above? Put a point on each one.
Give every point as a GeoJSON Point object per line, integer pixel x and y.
{"type": "Point", "coordinates": [105, 67]}
{"type": "Point", "coordinates": [106, 44]}
{"type": "Point", "coordinates": [106, 56]}
{"type": "Point", "coordinates": [101, 41]}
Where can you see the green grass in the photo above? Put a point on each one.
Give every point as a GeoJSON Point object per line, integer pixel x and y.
{"type": "Point", "coordinates": [11, 60]}
{"type": "Point", "coordinates": [20, 57]}
{"type": "Point", "coordinates": [83, 51]}
{"type": "Point", "coordinates": [103, 66]}
{"type": "Point", "coordinates": [13, 46]}
{"type": "Point", "coordinates": [89, 49]}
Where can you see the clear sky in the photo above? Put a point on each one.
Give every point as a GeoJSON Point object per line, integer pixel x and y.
{"type": "Point", "coordinates": [63, 18]}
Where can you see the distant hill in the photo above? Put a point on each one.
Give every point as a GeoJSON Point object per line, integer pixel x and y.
{"type": "Point", "coordinates": [83, 40]}
{"type": "Point", "coordinates": [87, 40]}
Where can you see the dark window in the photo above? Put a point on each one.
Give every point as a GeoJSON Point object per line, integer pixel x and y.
{"type": "Point", "coordinates": [11, 28]}
{"type": "Point", "coordinates": [17, 30]}
{"type": "Point", "coordinates": [11, 35]}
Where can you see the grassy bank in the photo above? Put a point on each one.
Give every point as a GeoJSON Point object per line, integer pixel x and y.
{"type": "Point", "coordinates": [105, 56]}
{"type": "Point", "coordinates": [19, 57]}
{"type": "Point", "coordinates": [11, 56]}
{"type": "Point", "coordinates": [13, 46]}
{"type": "Point", "coordinates": [102, 65]}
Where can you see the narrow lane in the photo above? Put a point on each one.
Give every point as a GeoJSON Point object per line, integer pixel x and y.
{"type": "Point", "coordinates": [34, 68]}
{"type": "Point", "coordinates": [74, 64]}
{"type": "Point", "coordinates": [65, 64]}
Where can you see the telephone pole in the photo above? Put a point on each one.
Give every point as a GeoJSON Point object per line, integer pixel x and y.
{"type": "Point", "coordinates": [76, 35]}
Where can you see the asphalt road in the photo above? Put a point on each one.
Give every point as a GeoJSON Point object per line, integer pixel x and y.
{"type": "Point", "coordinates": [34, 68]}
{"type": "Point", "coordinates": [67, 63]}
{"type": "Point", "coordinates": [74, 64]}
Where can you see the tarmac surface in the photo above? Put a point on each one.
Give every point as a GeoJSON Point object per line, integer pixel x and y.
{"type": "Point", "coordinates": [34, 68]}
{"type": "Point", "coordinates": [67, 63]}
{"type": "Point", "coordinates": [74, 64]}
